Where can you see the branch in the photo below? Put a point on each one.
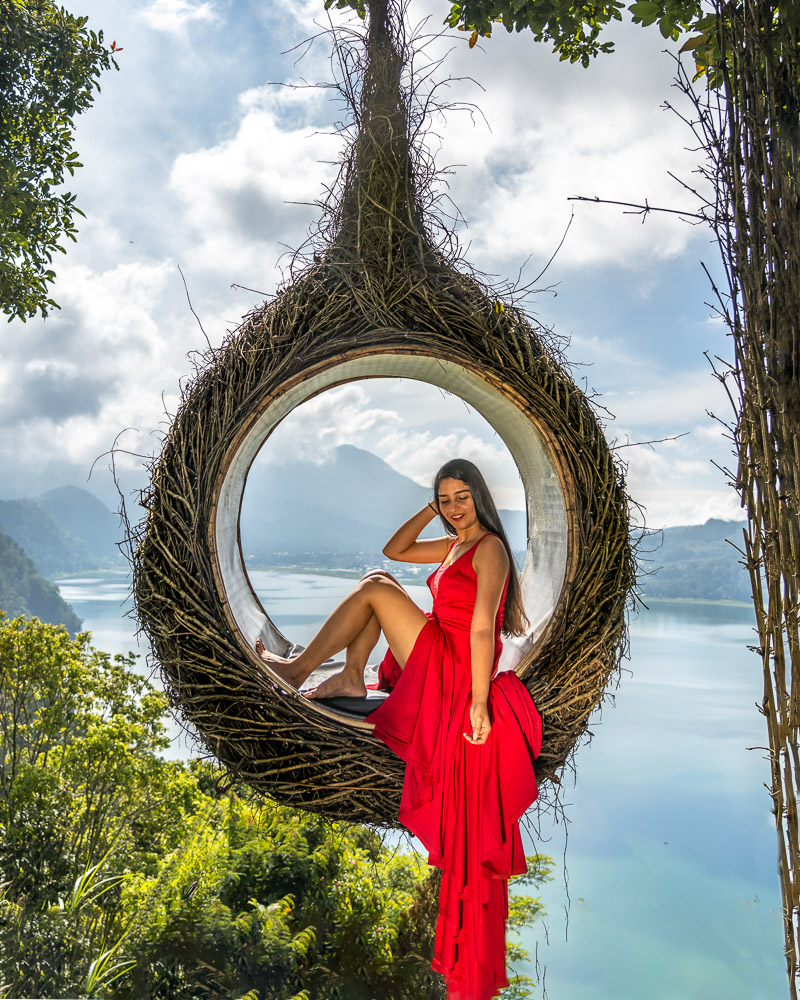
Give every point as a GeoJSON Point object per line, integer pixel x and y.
{"type": "Point", "coordinates": [636, 444]}
{"type": "Point", "coordinates": [643, 210]}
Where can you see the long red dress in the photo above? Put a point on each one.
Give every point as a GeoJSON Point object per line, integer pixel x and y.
{"type": "Point", "coordinates": [462, 801]}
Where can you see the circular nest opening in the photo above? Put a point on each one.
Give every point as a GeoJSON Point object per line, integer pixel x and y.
{"type": "Point", "coordinates": [545, 483]}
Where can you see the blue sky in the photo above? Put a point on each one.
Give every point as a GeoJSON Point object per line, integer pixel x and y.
{"type": "Point", "coordinates": [191, 157]}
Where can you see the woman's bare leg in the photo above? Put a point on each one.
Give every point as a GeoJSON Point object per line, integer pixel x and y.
{"type": "Point", "coordinates": [349, 683]}
{"type": "Point", "coordinates": [377, 595]}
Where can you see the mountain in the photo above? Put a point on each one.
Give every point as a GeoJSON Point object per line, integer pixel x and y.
{"type": "Point", "coordinates": [695, 562]}
{"type": "Point", "coordinates": [24, 591]}
{"type": "Point", "coordinates": [340, 513]}
{"type": "Point", "coordinates": [53, 550]}
{"type": "Point", "coordinates": [66, 530]}
{"type": "Point", "coordinates": [347, 507]}
{"type": "Point", "coordinates": [79, 513]}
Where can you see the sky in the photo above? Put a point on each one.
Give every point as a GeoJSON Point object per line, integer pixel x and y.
{"type": "Point", "coordinates": [195, 159]}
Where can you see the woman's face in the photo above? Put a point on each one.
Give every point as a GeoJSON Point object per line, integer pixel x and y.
{"type": "Point", "coordinates": [455, 504]}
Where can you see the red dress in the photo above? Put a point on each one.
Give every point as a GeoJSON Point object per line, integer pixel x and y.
{"type": "Point", "coordinates": [462, 801]}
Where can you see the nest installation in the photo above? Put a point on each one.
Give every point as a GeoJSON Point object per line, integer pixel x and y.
{"type": "Point", "coordinates": [384, 295]}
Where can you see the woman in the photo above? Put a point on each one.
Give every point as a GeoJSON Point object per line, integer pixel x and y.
{"type": "Point", "coordinates": [467, 736]}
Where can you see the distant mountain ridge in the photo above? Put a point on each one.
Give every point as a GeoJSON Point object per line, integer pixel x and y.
{"type": "Point", "coordinates": [349, 506]}
{"type": "Point", "coordinates": [695, 562]}
{"type": "Point", "coordinates": [339, 514]}
{"type": "Point", "coordinates": [66, 530]}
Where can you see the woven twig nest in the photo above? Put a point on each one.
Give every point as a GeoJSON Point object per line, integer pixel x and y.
{"type": "Point", "coordinates": [380, 300]}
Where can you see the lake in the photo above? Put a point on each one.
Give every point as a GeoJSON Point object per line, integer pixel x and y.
{"type": "Point", "coordinates": [670, 889]}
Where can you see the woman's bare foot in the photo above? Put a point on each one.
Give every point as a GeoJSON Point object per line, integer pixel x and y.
{"type": "Point", "coordinates": [345, 684]}
{"type": "Point", "coordinates": [280, 665]}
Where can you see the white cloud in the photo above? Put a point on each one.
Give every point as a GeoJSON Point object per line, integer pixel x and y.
{"type": "Point", "coordinates": [99, 365]}
{"type": "Point", "coordinates": [353, 414]}
{"type": "Point", "coordinates": [420, 455]}
{"type": "Point", "coordinates": [680, 481]}
{"type": "Point", "coordinates": [555, 131]}
{"type": "Point", "coordinates": [311, 433]}
{"type": "Point", "coordinates": [238, 195]}
{"type": "Point", "coordinates": [677, 403]}
{"type": "Point", "coordinates": [174, 15]}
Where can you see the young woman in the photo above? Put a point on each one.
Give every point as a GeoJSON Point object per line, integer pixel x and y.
{"type": "Point", "coordinates": [468, 736]}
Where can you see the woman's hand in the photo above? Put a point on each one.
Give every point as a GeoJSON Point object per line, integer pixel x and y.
{"type": "Point", "coordinates": [481, 723]}
{"type": "Point", "coordinates": [404, 547]}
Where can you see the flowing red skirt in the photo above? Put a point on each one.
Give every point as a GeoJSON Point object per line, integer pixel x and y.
{"type": "Point", "coordinates": [463, 802]}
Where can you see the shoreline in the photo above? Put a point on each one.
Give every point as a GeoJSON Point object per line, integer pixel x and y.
{"type": "Point", "coordinates": [346, 573]}
{"type": "Point", "coordinates": [724, 603]}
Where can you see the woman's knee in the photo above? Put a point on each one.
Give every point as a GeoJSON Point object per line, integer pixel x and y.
{"type": "Point", "coordinates": [377, 574]}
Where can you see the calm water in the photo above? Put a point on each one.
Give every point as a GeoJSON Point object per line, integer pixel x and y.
{"type": "Point", "coordinates": [671, 847]}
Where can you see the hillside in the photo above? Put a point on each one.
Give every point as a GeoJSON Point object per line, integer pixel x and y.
{"type": "Point", "coordinates": [66, 530]}
{"type": "Point", "coordinates": [54, 551]}
{"type": "Point", "coordinates": [339, 514]}
{"type": "Point", "coordinates": [83, 516]}
{"type": "Point", "coordinates": [24, 591]}
{"type": "Point", "coordinates": [696, 563]}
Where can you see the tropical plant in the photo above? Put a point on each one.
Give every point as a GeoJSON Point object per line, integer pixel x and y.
{"type": "Point", "coordinates": [50, 64]}
{"type": "Point", "coordinates": [85, 797]}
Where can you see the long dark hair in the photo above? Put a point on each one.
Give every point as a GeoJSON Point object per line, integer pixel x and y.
{"type": "Point", "coordinates": [514, 618]}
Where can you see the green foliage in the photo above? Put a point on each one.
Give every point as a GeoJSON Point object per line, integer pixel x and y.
{"type": "Point", "coordinates": [575, 29]}
{"type": "Point", "coordinates": [24, 591]}
{"type": "Point", "coordinates": [259, 897]}
{"type": "Point", "coordinates": [84, 798]}
{"type": "Point", "coordinates": [129, 876]}
{"type": "Point", "coordinates": [50, 63]}
{"type": "Point", "coordinates": [697, 563]}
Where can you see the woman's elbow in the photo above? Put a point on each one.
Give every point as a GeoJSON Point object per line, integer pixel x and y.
{"type": "Point", "coordinates": [482, 633]}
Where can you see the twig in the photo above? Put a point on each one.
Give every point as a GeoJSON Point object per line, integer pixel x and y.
{"type": "Point", "coordinates": [642, 210]}
{"type": "Point", "coordinates": [189, 300]}
{"type": "Point", "coordinates": [636, 444]}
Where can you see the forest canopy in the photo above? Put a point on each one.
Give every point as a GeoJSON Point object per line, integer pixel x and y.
{"type": "Point", "coordinates": [129, 875]}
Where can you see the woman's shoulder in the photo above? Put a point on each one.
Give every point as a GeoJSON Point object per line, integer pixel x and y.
{"type": "Point", "coordinates": [490, 552]}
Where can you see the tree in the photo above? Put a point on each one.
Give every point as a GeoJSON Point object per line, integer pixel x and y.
{"type": "Point", "coordinates": [50, 64]}
{"type": "Point", "coordinates": [24, 591]}
{"type": "Point", "coordinates": [82, 784]}
{"type": "Point", "coordinates": [262, 897]}
{"type": "Point", "coordinates": [573, 29]}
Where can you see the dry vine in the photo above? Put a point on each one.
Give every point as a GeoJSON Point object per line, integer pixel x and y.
{"type": "Point", "coordinates": [750, 132]}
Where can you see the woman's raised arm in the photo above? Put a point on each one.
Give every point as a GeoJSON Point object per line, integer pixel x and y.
{"type": "Point", "coordinates": [404, 547]}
